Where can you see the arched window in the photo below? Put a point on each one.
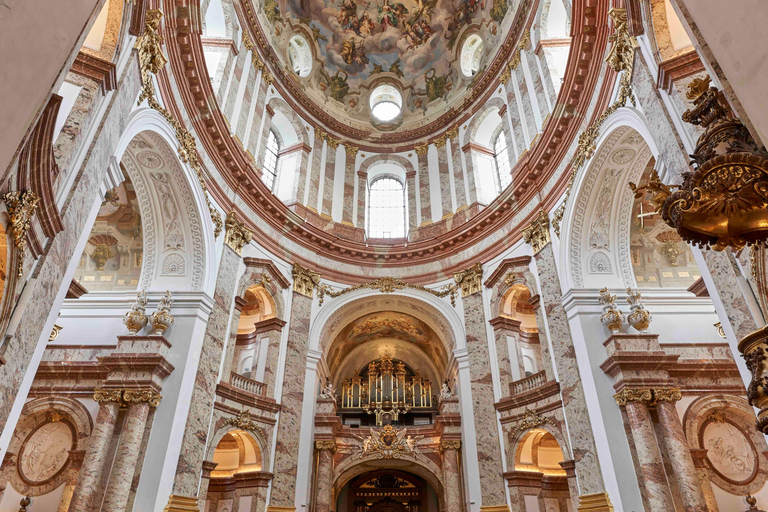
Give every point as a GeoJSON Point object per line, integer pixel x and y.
{"type": "Point", "coordinates": [502, 160]}
{"type": "Point", "coordinates": [269, 172]}
{"type": "Point", "coordinates": [386, 210]}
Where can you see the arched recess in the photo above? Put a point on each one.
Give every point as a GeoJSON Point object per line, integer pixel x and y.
{"type": "Point", "coordinates": [388, 490]}
{"type": "Point", "coordinates": [481, 128]}
{"type": "Point", "coordinates": [516, 439]}
{"type": "Point", "coordinates": [551, 33]}
{"type": "Point", "coordinates": [197, 228]}
{"type": "Point", "coordinates": [257, 435]}
{"type": "Point", "coordinates": [481, 135]}
{"type": "Point", "coordinates": [293, 142]}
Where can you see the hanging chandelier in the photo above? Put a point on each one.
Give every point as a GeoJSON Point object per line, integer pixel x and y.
{"type": "Point", "coordinates": [722, 201]}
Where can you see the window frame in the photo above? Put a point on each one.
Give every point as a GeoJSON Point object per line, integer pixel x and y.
{"type": "Point", "coordinates": [371, 206]}
{"type": "Point", "coordinates": [276, 154]}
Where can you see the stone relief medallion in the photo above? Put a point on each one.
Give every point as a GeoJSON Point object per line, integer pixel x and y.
{"type": "Point", "coordinates": [730, 452]}
{"type": "Point", "coordinates": [623, 156]}
{"type": "Point", "coordinates": [150, 160]}
{"type": "Point", "coordinates": [45, 452]}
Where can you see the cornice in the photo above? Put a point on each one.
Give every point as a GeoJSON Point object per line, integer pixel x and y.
{"type": "Point", "coordinates": [589, 35]}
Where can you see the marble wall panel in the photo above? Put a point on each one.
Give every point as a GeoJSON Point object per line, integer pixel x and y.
{"type": "Point", "coordinates": [258, 114]}
{"type": "Point", "coordinates": [458, 173]}
{"type": "Point", "coordinates": [424, 196]}
{"type": "Point", "coordinates": [330, 173]}
{"type": "Point", "coordinates": [349, 188]}
{"type": "Point", "coordinates": [234, 84]}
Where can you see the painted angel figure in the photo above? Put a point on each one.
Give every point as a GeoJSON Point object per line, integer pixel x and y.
{"type": "Point", "coordinates": [347, 17]}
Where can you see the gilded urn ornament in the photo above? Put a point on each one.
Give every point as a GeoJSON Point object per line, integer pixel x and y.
{"type": "Point", "coordinates": [723, 201]}
{"type": "Point", "coordinates": [136, 319]}
{"type": "Point", "coordinates": [162, 319]}
{"type": "Point", "coordinates": [639, 317]}
{"type": "Point", "coordinates": [611, 318]}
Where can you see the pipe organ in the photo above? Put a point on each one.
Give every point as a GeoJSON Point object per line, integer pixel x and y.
{"type": "Point", "coordinates": [387, 390]}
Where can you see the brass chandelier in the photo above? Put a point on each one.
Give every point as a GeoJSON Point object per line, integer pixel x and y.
{"type": "Point", "coordinates": [722, 201]}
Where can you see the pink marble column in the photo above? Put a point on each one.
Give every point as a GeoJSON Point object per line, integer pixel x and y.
{"type": "Point", "coordinates": [73, 470]}
{"type": "Point", "coordinates": [314, 172]}
{"type": "Point", "coordinates": [193, 442]}
{"type": "Point", "coordinates": [362, 187]}
{"type": "Point", "coordinates": [458, 169]}
{"type": "Point", "coordinates": [410, 185]}
{"type": "Point", "coordinates": [424, 195]}
{"type": "Point", "coordinates": [324, 482]}
{"type": "Point", "coordinates": [330, 173]}
{"type": "Point", "coordinates": [445, 178]}
{"type": "Point", "coordinates": [95, 457]}
{"type": "Point", "coordinates": [124, 465]}
{"type": "Point", "coordinates": [699, 457]}
{"type": "Point", "coordinates": [451, 475]}
{"type": "Point", "coordinates": [269, 113]}
{"type": "Point", "coordinates": [289, 423]}
{"type": "Point", "coordinates": [349, 185]}
{"type": "Point", "coordinates": [486, 425]}
{"type": "Point", "coordinates": [656, 491]}
{"type": "Point", "coordinates": [680, 458]}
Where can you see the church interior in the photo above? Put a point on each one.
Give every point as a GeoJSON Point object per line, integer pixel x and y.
{"type": "Point", "coordinates": [383, 256]}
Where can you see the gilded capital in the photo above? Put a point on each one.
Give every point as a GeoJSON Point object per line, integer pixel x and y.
{"type": "Point", "coordinates": [633, 395]}
{"type": "Point", "coordinates": [304, 280]}
{"type": "Point", "coordinates": [621, 57]}
{"type": "Point", "coordinates": [453, 132]}
{"type": "Point", "coordinates": [537, 234]}
{"type": "Point", "coordinates": [449, 445]}
{"type": "Point", "coordinates": [139, 396]}
{"type": "Point", "coordinates": [108, 395]}
{"type": "Point", "coordinates": [441, 140]}
{"type": "Point", "coordinates": [421, 149]}
{"type": "Point", "coordinates": [351, 150]}
{"type": "Point", "coordinates": [320, 134]}
{"type": "Point", "coordinates": [469, 280]}
{"type": "Point", "coordinates": [667, 395]}
{"type": "Point", "coordinates": [236, 234]}
{"type": "Point", "coordinates": [325, 444]}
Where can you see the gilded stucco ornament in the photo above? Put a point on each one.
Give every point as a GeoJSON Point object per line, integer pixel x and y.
{"type": "Point", "coordinates": [142, 396]}
{"type": "Point", "coordinates": [162, 319]}
{"type": "Point", "coordinates": [325, 444]}
{"type": "Point", "coordinates": [449, 444]}
{"type": "Point", "coordinates": [649, 396]}
{"type": "Point", "coordinates": [639, 317]}
{"type": "Point", "coordinates": [108, 395]}
{"type": "Point", "coordinates": [243, 421]}
{"type": "Point", "coordinates": [55, 332]}
{"type": "Point", "coordinates": [469, 280]}
{"type": "Point", "coordinates": [151, 61]}
{"type": "Point", "coordinates": [723, 201]}
{"type": "Point", "coordinates": [236, 234]}
{"type": "Point", "coordinates": [136, 319]}
{"type": "Point", "coordinates": [304, 280]}
{"type": "Point", "coordinates": [21, 207]}
{"type": "Point", "coordinates": [754, 349]}
{"type": "Point", "coordinates": [386, 285]}
{"type": "Point", "coordinates": [388, 443]}
{"type": "Point", "coordinates": [611, 318]}
{"type": "Point", "coordinates": [537, 233]}
{"type": "Point", "coordinates": [621, 60]}
{"type": "Point", "coordinates": [531, 419]}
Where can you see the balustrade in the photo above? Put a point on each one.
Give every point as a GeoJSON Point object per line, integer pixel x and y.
{"type": "Point", "coordinates": [528, 383]}
{"type": "Point", "coordinates": [248, 385]}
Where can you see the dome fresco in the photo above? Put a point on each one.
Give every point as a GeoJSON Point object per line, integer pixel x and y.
{"type": "Point", "coordinates": [412, 44]}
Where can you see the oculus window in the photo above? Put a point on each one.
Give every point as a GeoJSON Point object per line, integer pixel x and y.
{"type": "Point", "coordinates": [386, 209]}
{"type": "Point", "coordinates": [386, 103]}
{"type": "Point", "coordinates": [300, 55]}
{"type": "Point", "coordinates": [471, 53]}
{"type": "Point", "coordinates": [269, 170]}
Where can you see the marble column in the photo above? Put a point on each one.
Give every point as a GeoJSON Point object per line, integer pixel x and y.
{"type": "Point", "coordinates": [516, 144]}
{"type": "Point", "coordinates": [679, 453]}
{"type": "Point", "coordinates": [314, 170]}
{"type": "Point", "coordinates": [656, 491]}
{"type": "Point", "coordinates": [330, 173]}
{"type": "Point", "coordinates": [573, 485]}
{"type": "Point", "coordinates": [73, 470]}
{"type": "Point", "coordinates": [536, 87]}
{"type": "Point", "coordinates": [258, 114]}
{"type": "Point", "coordinates": [289, 422]}
{"type": "Point", "coordinates": [247, 102]}
{"type": "Point", "coordinates": [95, 454]}
{"type": "Point", "coordinates": [410, 185]}
{"type": "Point", "coordinates": [726, 280]}
{"type": "Point", "coordinates": [451, 475]}
{"type": "Point", "coordinates": [269, 113]}
{"type": "Point", "coordinates": [574, 401]}
{"type": "Point", "coordinates": [507, 129]}
{"type": "Point", "coordinates": [229, 355]}
{"type": "Point", "coordinates": [193, 443]}
{"type": "Point", "coordinates": [471, 160]}
{"type": "Point", "coordinates": [208, 466]}
{"type": "Point", "coordinates": [424, 196]}
{"type": "Point", "coordinates": [458, 169]}
{"type": "Point", "coordinates": [349, 185]}
{"type": "Point", "coordinates": [234, 85]}
{"type": "Point", "coordinates": [541, 328]}
{"type": "Point", "coordinates": [486, 425]}
{"type": "Point", "coordinates": [271, 329]}
{"type": "Point", "coordinates": [699, 457]}
{"type": "Point", "coordinates": [121, 476]}
{"type": "Point", "coordinates": [300, 181]}
{"type": "Point", "coordinates": [362, 187]}
{"type": "Point", "coordinates": [324, 490]}
{"type": "Point", "coordinates": [445, 178]}
{"type": "Point", "coordinates": [527, 119]}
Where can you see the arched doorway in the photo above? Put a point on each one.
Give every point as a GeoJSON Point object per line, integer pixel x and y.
{"type": "Point", "coordinates": [387, 490]}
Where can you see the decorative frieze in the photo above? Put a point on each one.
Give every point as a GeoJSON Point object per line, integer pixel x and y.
{"type": "Point", "coordinates": [236, 234]}
{"type": "Point", "coordinates": [469, 280]}
{"type": "Point", "coordinates": [304, 280]}
{"type": "Point", "coordinates": [537, 233]}
{"type": "Point", "coordinates": [386, 285]}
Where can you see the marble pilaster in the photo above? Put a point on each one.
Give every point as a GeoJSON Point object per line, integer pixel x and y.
{"type": "Point", "coordinates": [654, 479]}
{"type": "Point", "coordinates": [410, 185]}
{"type": "Point", "coordinates": [507, 128]}
{"type": "Point", "coordinates": [544, 346]}
{"type": "Point", "coordinates": [268, 114]}
{"type": "Point", "coordinates": [73, 470]}
{"type": "Point", "coordinates": [445, 178]}
{"type": "Point", "coordinates": [193, 442]}
{"type": "Point", "coordinates": [527, 119]}
{"type": "Point", "coordinates": [502, 329]}
{"type": "Point", "coordinates": [229, 354]}
{"type": "Point", "coordinates": [573, 485]}
{"type": "Point", "coordinates": [699, 457]}
{"type": "Point", "coordinates": [95, 457]}
{"type": "Point", "coordinates": [680, 458]}
{"type": "Point", "coordinates": [424, 196]}
{"type": "Point", "coordinates": [289, 422]}
{"type": "Point", "coordinates": [124, 466]}
{"type": "Point", "coordinates": [258, 114]}
{"type": "Point", "coordinates": [300, 183]}
{"type": "Point", "coordinates": [247, 103]}
{"type": "Point", "coordinates": [726, 279]}
{"type": "Point", "coordinates": [349, 185]}
{"type": "Point", "coordinates": [234, 84]}
{"type": "Point", "coordinates": [486, 425]}
{"type": "Point", "coordinates": [362, 187]}
{"type": "Point", "coordinates": [324, 495]}
{"type": "Point", "coordinates": [330, 172]}
{"type": "Point", "coordinates": [314, 170]}
{"type": "Point", "coordinates": [271, 330]}
{"type": "Point", "coordinates": [516, 144]}
{"type": "Point", "coordinates": [208, 466]}
{"type": "Point", "coordinates": [451, 475]}
{"type": "Point", "coordinates": [471, 160]}
{"type": "Point", "coordinates": [538, 92]}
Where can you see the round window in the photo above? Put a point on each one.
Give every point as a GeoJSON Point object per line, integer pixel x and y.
{"type": "Point", "coordinates": [301, 55]}
{"type": "Point", "coordinates": [471, 53]}
{"type": "Point", "coordinates": [386, 103]}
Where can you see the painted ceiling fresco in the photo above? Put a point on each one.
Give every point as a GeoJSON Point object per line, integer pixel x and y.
{"type": "Point", "coordinates": [415, 43]}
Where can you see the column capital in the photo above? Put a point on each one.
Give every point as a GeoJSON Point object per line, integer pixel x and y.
{"type": "Point", "coordinates": [236, 234]}
{"type": "Point", "coordinates": [469, 280]}
{"type": "Point", "coordinates": [332, 143]}
{"type": "Point", "coordinates": [325, 444]}
{"type": "Point", "coordinates": [650, 396]}
{"type": "Point", "coordinates": [351, 150]}
{"type": "Point", "coordinates": [141, 396]}
{"type": "Point", "coordinates": [450, 444]}
{"type": "Point", "coordinates": [320, 134]}
{"type": "Point", "coordinates": [421, 149]}
{"type": "Point", "coordinates": [441, 140]}
{"type": "Point", "coordinates": [453, 132]}
{"type": "Point", "coordinates": [537, 233]}
{"type": "Point", "coordinates": [304, 280]}
{"type": "Point", "coordinates": [699, 456]}
{"type": "Point", "coordinates": [362, 174]}
{"type": "Point", "coordinates": [208, 466]}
